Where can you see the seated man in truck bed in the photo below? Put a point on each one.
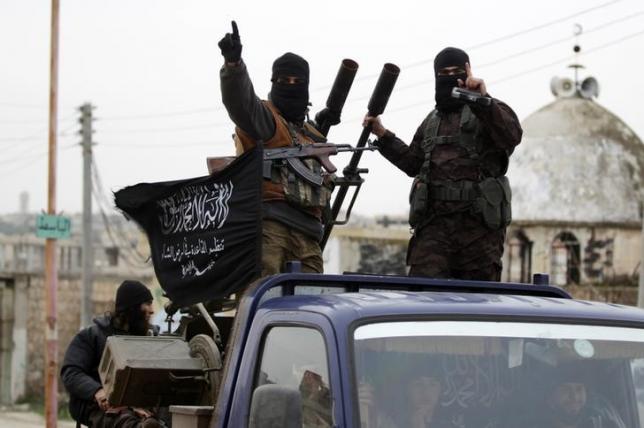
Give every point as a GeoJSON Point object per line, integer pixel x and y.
{"type": "Point", "coordinates": [88, 403]}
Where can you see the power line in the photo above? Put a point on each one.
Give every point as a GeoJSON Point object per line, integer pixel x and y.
{"type": "Point", "coordinates": [558, 41]}
{"type": "Point", "coordinates": [522, 73]}
{"type": "Point", "coordinates": [129, 257]}
{"type": "Point", "coordinates": [166, 114]}
{"type": "Point", "coordinates": [27, 122]}
{"type": "Point", "coordinates": [30, 138]}
{"type": "Point", "coordinates": [174, 129]}
{"type": "Point", "coordinates": [118, 237]}
{"type": "Point", "coordinates": [26, 151]}
{"type": "Point", "coordinates": [124, 255]}
{"type": "Point", "coordinates": [506, 37]}
{"type": "Point", "coordinates": [588, 51]}
{"type": "Point", "coordinates": [25, 106]}
{"type": "Point", "coordinates": [430, 80]}
{"type": "Point", "coordinates": [26, 161]}
{"type": "Point", "coordinates": [545, 25]}
{"type": "Point", "coordinates": [154, 145]}
{"type": "Point", "coordinates": [370, 76]}
{"type": "Point", "coordinates": [29, 157]}
{"type": "Point", "coordinates": [34, 137]}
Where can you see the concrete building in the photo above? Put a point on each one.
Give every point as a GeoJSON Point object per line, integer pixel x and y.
{"type": "Point", "coordinates": [368, 245]}
{"type": "Point", "coordinates": [22, 293]}
{"type": "Point", "coordinates": [577, 181]}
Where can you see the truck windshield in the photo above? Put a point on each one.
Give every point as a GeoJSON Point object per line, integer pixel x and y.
{"type": "Point", "coordinates": [498, 374]}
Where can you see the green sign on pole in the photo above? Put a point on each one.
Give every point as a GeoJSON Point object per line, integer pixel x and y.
{"type": "Point", "coordinates": [53, 226]}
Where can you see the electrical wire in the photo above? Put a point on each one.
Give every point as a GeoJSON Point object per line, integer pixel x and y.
{"type": "Point", "coordinates": [125, 250]}
{"type": "Point", "coordinates": [123, 255]}
{"type": "Point", "coordinates": [568, 58]}
{"type": "Point", "coordinates": [25, 106]}
{"type": "Point", "coordinates": [174, 129]}
{"type": "Point", "coordinates": [27, 122]}
{"type": "Point", "coordinates": [366, 77]}
{"type": "Point", "coordinates": [506, 37]}
{"type": "Point", "coordinates": [23, 162]}
{"type": "Point", "coordinates": [104, 204]}
{"type": "Point", "coordinates": [155, 145]}
{"type": "Point", "coordinates": [371, 76]}
{"type": "Point", "coordinates": [430, 80]}
{"type": "Point", "coordinates": [166, 114]}
{"type": "Point", "coordinates": [522, 73]}
{"type": "Point", "coordinates": [26, 155]}
{"type": "Point", "coordinates": [558, 41]}
{"type": "Point", "coordinates": [34, 137]}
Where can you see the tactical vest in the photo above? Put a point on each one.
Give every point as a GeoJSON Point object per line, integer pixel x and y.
{"type": "Point", "coordinates": [490, 196]}
{"type": "Point", "coordinates": [282, 182]}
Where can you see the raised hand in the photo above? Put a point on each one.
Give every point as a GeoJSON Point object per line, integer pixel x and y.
{"type": "Point", "coordinates": [231, 46]}
{"type": "Point", "coordinates": [472, 83]}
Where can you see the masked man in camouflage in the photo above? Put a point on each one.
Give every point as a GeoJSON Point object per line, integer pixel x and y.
{"type": "Point", "coordinates": [460, 197]}
{"type": "Point", "coordinates": [292, 206]}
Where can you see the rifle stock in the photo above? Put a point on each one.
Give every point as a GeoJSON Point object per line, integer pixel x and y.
{"type": "Point", "coordinates": [377, 103]}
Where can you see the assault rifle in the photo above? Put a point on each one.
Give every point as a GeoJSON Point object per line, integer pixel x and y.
{"type": "Point", "coordinates": [376, 106]}
{"type": "Point", "coordinates": [293, 157]}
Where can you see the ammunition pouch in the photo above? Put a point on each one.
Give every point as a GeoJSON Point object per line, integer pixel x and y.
{"type": "Point", "coordinates": [298, 191]}
{"type": "Point", "coordinates": [490, 198]}
{"type": "Point", "coordinates": [418, 203]}
{"type": "Point", "coordinates": [454, 191]}
{"type": "Point", "coordinates": [494, 202]}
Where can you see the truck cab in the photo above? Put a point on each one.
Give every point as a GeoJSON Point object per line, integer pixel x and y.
{"type": "Point", "coordinates": [372, 351]}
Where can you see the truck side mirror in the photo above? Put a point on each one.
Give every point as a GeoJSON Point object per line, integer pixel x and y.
{"type": "Point", "coordinates": [275, 406]}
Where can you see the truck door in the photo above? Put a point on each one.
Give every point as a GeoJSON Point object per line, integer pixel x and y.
{"type": "Point", "coordinates": [289, 376]}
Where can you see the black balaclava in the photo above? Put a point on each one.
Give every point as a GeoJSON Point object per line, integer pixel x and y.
{"type": "Point", "coordinates": [448, 57]}
{"type": "Point", "coordinates": [131, 293]}
{"type": "Point", "coordinates": [291, 100]}
{"type": "Point", "coordinates": [129, 297]}
{"type": "Point", "coordinates": [137, 324]}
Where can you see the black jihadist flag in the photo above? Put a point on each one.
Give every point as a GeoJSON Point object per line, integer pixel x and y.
{"type": "Point", "coordinates": [204, 232]}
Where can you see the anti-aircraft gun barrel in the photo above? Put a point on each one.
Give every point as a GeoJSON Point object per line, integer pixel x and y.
{"type": "Point", "coordinates": [376, 106]}
{"type": "Point", "coordinates": [339, 92]}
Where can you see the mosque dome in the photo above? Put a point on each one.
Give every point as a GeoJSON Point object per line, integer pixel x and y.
{"type": "Point", "coordinates": [577, 163]}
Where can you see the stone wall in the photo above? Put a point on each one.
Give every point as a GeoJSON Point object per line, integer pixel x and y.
{"type": "Point", "coordinates": [622, 294]}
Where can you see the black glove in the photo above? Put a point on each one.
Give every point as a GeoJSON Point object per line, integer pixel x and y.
{"type": "Point", "coordinates": [327, 116]}
{"type": "Point", "coordinates": [231, 46]}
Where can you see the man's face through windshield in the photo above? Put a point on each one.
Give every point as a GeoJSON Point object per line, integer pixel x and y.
{"type": "Point", "coordinates": [568, 400]}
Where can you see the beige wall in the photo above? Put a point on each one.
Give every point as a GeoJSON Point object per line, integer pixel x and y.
{"type": "Point", "coordinates": [607, 254]}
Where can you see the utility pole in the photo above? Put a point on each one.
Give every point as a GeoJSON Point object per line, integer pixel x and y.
{"type": "Point", "coordinates": [88, 250]}
{"type": "Point", "coordinates": [51, 271]}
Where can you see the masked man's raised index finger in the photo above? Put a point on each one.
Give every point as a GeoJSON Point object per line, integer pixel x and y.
{"type": "Point", "coordinates": [468, 69]}
{"type": "Point", "coordinates": [235, 30]}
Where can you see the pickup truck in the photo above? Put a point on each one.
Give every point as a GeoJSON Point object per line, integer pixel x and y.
{"type": "Point", "coordinates": [311, 350]}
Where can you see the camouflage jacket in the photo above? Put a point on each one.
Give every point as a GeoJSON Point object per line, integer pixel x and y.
{"type": "Point", "coordinates": [500, 129]}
